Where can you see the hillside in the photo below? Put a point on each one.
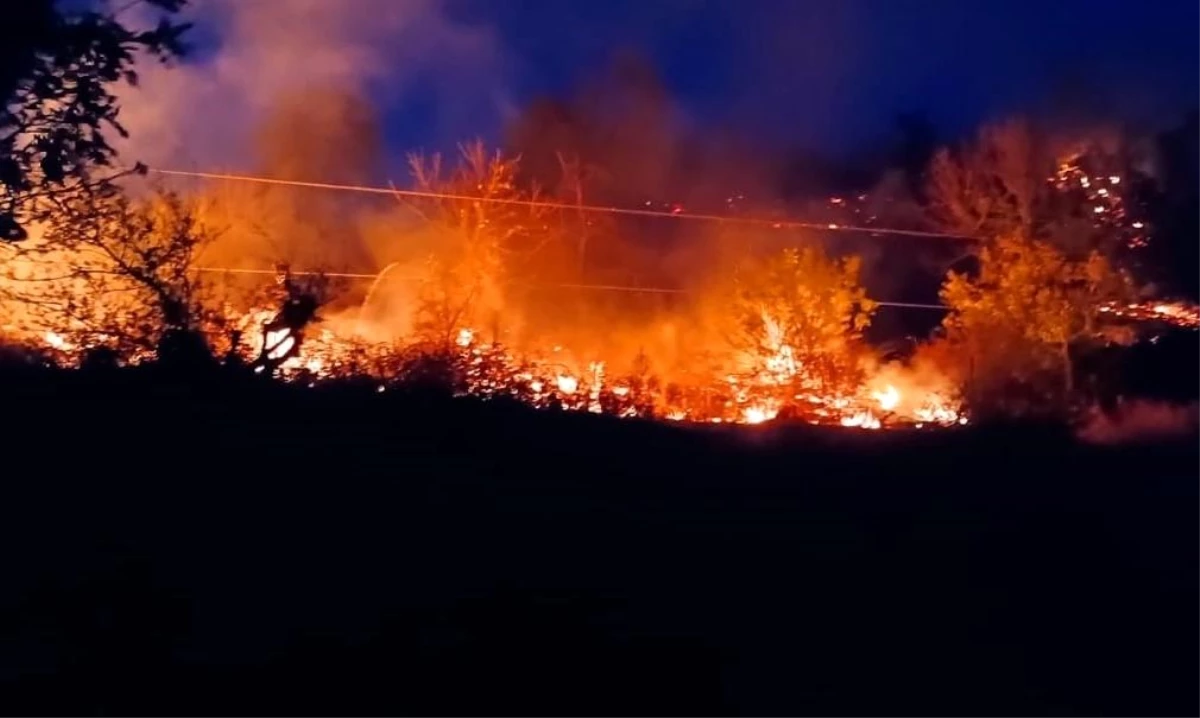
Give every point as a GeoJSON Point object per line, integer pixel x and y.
{"type": "Point", "coordinates": [252, 549]}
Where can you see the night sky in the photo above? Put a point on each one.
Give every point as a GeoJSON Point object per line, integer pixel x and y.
{"type": "Point", "coordinates": [833, 73]}
{"type": "Point", "coordinates": [824, 75]}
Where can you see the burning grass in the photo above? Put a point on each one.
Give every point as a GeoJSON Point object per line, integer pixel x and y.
{"type": "Point", "coordinates": [555, 378]}
{"type": "Point", "coordinates": [780, 337]}
{"type": "Point", "coordinates": [756, 337]}
{"type": "Point", "coordinates": [790, 352]}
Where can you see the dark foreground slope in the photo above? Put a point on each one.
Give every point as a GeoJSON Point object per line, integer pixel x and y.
{"type": "Point", "coordinates": [243, 551]}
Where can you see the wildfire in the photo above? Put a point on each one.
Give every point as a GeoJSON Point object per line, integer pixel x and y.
{"type": "Point", "coordinates": [54, 340]}
{"type": "Point", "coordinates": [774, 387]}
{"type": "Point", "coordinates": [1109, 208]}
{"type": "Point", "coordinates": [566, 383]}
{"type": "Point", "coordinates": [553, 379]}
{"type": "Point", "coordinates": [1178, 314]}
{"type": "Point", "coordinates": [785, 376]}
{"type": "Point", "coordinates": [862, 419]}
{"type": "Point", "coordinates": [757, 414]}
{"type": "Point", "coordinates": [278, 343]}
{"type": "Point", "coordinates": [888, 399]}
{"type": "Point", "coordinates": [489, 370]}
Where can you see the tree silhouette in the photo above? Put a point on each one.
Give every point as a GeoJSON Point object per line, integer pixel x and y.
{"type": "Point", "coordinates": [479, 242]}
{"type": "Point", "coordinates": [58, 68]}
{"type": "Point", "coordinates": [115, 272]}
{"type": "Point", "coordinates": [1015, 323]}
{"type": "Point", "coordinates": [1175, 210]}
{"type": "Point", "coordinates": [992, 187]}
{"type": "Point", "coordinates": [1080, 193]}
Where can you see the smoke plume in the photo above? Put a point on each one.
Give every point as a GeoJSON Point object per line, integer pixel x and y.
{"type": "Point", "coordinates": [250, 53]}
{"type": "Point", "coordinates": [1142, 421]}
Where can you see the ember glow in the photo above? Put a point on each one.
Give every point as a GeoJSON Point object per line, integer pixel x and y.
{"type": "Point", "coordinates": [551, 376]}
{"type": "Point", "coordinates": [783, 343]}
{"type": "Point", "coordinates": [554, 379]}
{"type": "Point", "coordinates": [550, 379]}
{"type": "Point", "coordinates": [1178, 314]}
{"type": "Point", "coordinates": [888, 399]}
{"type": "Point", "coordinates": [891, 396]}
{"type": "Point", "coordinates": [571, 372]}
{"type": "Point", "coordinates": [607, 370]}
{"type": "Point", "coordinates": [1105, 194]}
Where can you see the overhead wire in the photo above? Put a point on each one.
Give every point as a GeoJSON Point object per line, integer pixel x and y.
{"type": "Point", "coordinates": [628, 211]}
{"type": "Point", "coordinates": [591, 287]}
{"type": "Point", "coordinates": [597, 209]}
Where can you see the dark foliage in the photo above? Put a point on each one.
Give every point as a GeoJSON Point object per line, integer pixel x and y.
{"type": "Point", "coordinates": [58, 70]}
{"type": "Point", "coordinates": [1175, 211]}
{"type": "Point", "coordinates": [238, 546]}
{"type": "Point", "coordinates": [299, 300]}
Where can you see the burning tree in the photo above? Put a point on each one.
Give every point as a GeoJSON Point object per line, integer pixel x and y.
{"type": "Point", "coordinates": [1060, 230]}
{"type": "Point", "coordinates": [993, 187]}
{"type": "Point", "coordinates": [112, 271]}
{"type": "Point", "coordinates": [1014, 325]}
{"type": "Point", "coordinates": [1014, 181]}
{"type": "Point", "coordinates": [575, 181]}
{"type": "Point", "coordinates": [796, 321]}
{"type": "Point", "coordinates": [57, 71]}
{"type": "Point", "coordinates": [446, 300]}
{"type": "Point", "coordinates": [484, 225]}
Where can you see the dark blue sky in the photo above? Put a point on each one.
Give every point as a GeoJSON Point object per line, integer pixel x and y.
{"type": "Point", "coordinates": [833, 73]}
{"type": "Point", "coordinates": [826, 75]}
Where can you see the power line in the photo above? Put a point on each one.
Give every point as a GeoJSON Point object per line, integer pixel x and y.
{"type": "Point", "coordinates": [553, 205]}
{"type": "Point", "coordinates": [595, 209]}
{"type": "Point", "coordinates": [275, 272]}
{"type": "Point", "coordinates": [590, 287]}
{"type": "Point", "coordinates": [913, 305]}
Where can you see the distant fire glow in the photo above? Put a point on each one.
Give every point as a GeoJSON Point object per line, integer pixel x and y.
{"type": "Point", "coordinates": [549, 380]}
{"type": "Point", "coordinates": [1108, 205]}
{"type": "Point", "coordinates": [799, 365]}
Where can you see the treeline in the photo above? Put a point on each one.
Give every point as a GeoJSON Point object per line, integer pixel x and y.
{"type": "Point", "coordinates": [1063, 227]}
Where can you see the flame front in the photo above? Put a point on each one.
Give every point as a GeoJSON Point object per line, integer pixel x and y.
{"type": "Point", "coordinates": [888, 399]}
{"type": "Point", "coordinates": [551, 375]}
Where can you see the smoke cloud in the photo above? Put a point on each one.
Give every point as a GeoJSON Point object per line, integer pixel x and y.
{"type": "Point", "coordinates": [249, 53]}
{"type": "Point", "coordinates": [1142, 421]}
